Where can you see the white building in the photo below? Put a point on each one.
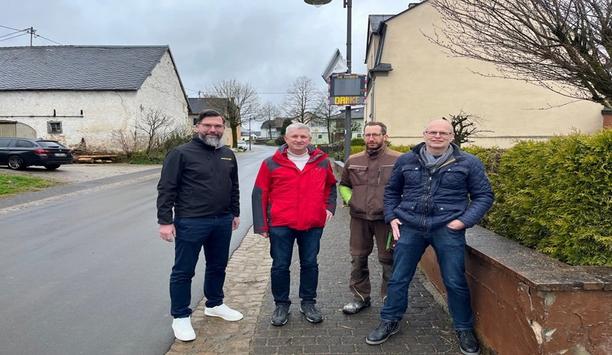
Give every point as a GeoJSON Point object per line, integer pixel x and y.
{"type": "Point", "coordinates": [75, 93]}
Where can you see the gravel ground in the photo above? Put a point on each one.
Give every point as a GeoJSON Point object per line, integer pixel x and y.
{"type": "Point", "coordinates": [73, 173]}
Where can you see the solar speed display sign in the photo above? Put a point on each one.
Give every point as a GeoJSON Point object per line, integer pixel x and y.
{"type": "Point", "coordinates": [347, 89]}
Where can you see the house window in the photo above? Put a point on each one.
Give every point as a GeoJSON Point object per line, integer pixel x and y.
{"type": "Point", "coordinates": [320, 136]}
{"type": "Point", "coordinates": [54, 127]}
{"type": "Point", "coordinates": [359, 135]}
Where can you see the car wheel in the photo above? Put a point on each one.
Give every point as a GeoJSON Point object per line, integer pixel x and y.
{"type": "Point", "coordinates": [16, 163]}
{"type": "Point", "coordinates": [52, 166]}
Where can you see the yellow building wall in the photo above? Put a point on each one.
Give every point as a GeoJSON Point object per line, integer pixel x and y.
{"type": "Point", "coordinates": [427, 83]}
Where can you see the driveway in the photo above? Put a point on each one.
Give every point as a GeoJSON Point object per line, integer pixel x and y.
{"type": "Point", "coordinates": [74, 173]}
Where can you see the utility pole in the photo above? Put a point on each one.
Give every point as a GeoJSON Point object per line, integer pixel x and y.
{"type": "Point", "coordinates": [348, 4]}
{"type": "Point", "coordinates": [32, 32]}
{"type": "Point", "coordinates": [250, 133]}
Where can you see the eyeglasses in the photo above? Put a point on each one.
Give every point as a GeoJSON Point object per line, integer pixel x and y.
{"type": "Point", "coordinates": [373, 135]}
{"type": "Point", "coordinates": [209, 126]}
{"type": "Point", "coordinates": [438, 133]}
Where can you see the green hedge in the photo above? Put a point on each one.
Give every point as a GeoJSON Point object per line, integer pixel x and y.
{"type": "Point", "coordinates": [399, 148]}
{"type": "Point", "coordinates": [555, 196]}
{"type": "Point", "coordinates": [357, 142]}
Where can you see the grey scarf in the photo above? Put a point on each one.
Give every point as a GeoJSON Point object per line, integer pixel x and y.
{"type": "Point", "coordinates": [432, 163]}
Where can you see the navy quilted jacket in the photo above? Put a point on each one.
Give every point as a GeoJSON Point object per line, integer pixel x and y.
{"type": "Point", "coordinates": [459, 189]}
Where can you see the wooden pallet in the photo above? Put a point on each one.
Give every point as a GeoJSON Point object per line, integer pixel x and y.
{"type": "Point", "coordinates": [95, 158]}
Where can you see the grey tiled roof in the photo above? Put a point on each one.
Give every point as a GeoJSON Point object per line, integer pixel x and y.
{"type": "Point", "coordinates": [275, 123]}
{"type": "Point", "coordinates": [81, 68]}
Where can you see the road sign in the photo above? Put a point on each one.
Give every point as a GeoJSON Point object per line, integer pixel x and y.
{"type": "Point", "coordinates": [347, 89]}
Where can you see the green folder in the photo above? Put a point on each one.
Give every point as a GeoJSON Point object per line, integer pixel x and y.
{"type": "Point", "coordinates": [390, 241]}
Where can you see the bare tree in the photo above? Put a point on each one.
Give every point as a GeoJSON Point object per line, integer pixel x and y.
{"type": "Point", "coordinates": [327, 112]}
{"type": "Point", "coordinates": [245, 103]}
{"type": "Point", "coordinates": [563, 45]}
{"type": "Point", "coordinates": [154, 124]}
{"type": "Point", "coordinates": [302, 100]}
{"type": "Point", "coordinates": [268, 112]}
{"type": "Point", "coordinates": [464, 127]}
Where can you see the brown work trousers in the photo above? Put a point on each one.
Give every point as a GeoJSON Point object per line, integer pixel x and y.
{"type": "Point", "coordinates": [363, 234]}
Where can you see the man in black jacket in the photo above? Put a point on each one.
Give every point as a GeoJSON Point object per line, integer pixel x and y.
{"type": "Point", "coordinates": [199, 180]}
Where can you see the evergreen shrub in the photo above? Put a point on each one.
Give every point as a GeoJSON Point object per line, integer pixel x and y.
{"type": "Point", "coordinates": [555, 196]}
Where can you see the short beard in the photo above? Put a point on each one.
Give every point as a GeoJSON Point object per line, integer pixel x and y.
{"type": "Point", "coordinates": [372, 150]}
{"type": "Point", "coordinates": [211, 140]}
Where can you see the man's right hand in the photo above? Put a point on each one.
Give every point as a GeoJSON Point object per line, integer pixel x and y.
{"type": "Point", "coordinates": [264, 234]}
{"type": "Point", "coordinates": [395, 223]}
{"type": "Point", "coordinates": [167, 232]}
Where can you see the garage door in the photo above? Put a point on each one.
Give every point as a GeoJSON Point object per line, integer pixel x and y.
{"type": "Point", "coordinates": [16, 129]}
{"type": "Point", "coordinates": [8, 129]}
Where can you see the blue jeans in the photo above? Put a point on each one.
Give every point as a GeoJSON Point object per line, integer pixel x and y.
{"type": "Point", "coordinates": [449, 246]}
{"type": "Point", "coordinates": [281, 250]}
{"type": "Point", "coordinates": [212, 233]}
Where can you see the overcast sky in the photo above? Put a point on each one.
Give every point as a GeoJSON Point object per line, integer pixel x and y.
{"type": "Point", "coordinates": [267, 43]}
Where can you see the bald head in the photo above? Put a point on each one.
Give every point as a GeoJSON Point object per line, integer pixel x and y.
{"type": "Point", "coordinates": [438, 124]}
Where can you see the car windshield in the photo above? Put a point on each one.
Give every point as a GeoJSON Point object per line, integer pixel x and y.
{"type": "Point", "coordinates": [50, 144]}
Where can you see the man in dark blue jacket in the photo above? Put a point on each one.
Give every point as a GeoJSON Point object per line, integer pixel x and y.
{"type": "Point", "coordinates": [435, 192]}
{"type": "Point", "coordinates": [199, 183]}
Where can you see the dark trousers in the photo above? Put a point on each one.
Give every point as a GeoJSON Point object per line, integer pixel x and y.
{"type": "Point", "coordinates": [192, 234]}
{"type": "Point", "coordinates": [449, 246]}
{"type": "Point", "coordinates": [363, 235]}
{"type": "Point", "coordinates": [281, 250]}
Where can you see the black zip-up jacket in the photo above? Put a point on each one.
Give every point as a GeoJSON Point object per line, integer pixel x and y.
{"type": "Point", "coordinates": [198, 181]}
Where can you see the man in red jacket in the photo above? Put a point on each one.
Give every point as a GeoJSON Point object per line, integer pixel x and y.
{"type": "Point", "coordinates": [293, 197]}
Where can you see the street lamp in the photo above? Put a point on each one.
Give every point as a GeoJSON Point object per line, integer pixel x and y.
{"type": "Point", "coordinates": [348, 5]}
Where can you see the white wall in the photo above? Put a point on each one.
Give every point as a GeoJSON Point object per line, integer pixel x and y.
{"type": "Point", "coordinates": [103, 112]}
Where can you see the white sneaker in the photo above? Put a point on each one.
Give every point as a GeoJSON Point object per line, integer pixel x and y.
{"type": "Point", "coordinates": [183, 329]}
{"type": "Point", "coordinates": [224, 312]}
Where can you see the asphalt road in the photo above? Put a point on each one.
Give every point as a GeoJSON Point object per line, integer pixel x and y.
{"type": "Point", "coordinates": [86, 273]}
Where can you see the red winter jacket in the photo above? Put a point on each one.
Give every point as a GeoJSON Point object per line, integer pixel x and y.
{"type": "Point", "coordinates": [285, 196]}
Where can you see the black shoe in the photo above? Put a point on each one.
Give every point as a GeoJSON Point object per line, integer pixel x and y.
{"type": "Point", "coordinates": [311, 313]}
{"type": "Point", "coordinates": [384, 330]}
{"type": "Point", "coordinates": [280, 314]}
{"type": "Point", "coordinates": [468, 342]}
{"type": "Point", "coordinates": [355, 306]}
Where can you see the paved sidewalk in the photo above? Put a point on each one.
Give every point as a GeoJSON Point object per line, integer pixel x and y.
{"type": "Point", "coordinates": [246, 283]}
{"type": "Point", "coordinates": [426, 329]}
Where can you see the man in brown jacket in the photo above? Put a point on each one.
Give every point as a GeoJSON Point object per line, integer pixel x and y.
{"type": "Point", "coordinates": [362, 186]}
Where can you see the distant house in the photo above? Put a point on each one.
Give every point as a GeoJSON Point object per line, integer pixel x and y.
{"type": "Point", "coordinates": [318, 131]}
{"type": "Point", "coordinates": [338, 122]}
{"type": "Point", "coordinates": [271, 129]}
{"type": "Point", "coordinates": [88, 93]}
{"type": "Point", "coordinates": [222, 105]}
{"type": "Point", "coordinates": [244, 135]}
{"type": "Point", "coordinates": [412, 80]}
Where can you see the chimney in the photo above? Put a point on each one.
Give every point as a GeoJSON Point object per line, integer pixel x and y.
{"type": "Point", "coordinates": [606, 113]}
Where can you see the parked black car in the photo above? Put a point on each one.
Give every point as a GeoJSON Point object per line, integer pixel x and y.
{"type": "Point", "coordinates": [19, 153]}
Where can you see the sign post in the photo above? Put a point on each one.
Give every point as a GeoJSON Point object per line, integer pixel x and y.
{"type": "Point", "coordinates": [347, 89]}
